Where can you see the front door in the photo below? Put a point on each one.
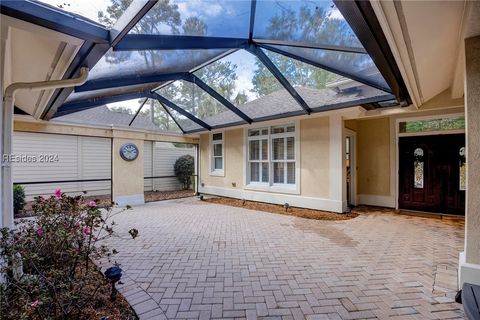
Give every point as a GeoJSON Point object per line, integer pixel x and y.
{"type": "Point", "coordinates": [432, 173]}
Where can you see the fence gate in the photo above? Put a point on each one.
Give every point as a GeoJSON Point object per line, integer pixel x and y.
{"type": "Point", "coordinates": [159, 164]}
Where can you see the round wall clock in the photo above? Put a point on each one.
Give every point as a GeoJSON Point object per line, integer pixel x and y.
{"type": "Point", "coordinates": [129, 152]}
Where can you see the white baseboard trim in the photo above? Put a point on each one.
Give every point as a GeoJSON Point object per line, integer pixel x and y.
{"type": "Point", "coordinates": [131, 200]}
{"type": "Point", "coordinates": [467, 272]}
{"type": "Point", "coordinates": [379, 201]}
{"type": "Point", "coordinates": [276, 198]}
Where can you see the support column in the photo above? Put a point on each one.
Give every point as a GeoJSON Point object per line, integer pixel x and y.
{"type": "Point", "coordinates": [338, 186]}
{"type": "Point", "coordinates": [127, 177]}
{"type": "Point", "coordinates": [6, 129]}
{"type": "Point", "coordinates": [2, 106]}
{"type": "Point", "coordinates": [469, 266]}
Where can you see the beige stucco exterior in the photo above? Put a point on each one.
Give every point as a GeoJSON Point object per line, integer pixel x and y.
{"type": "Point", "coordinates": [127, 176]}
{"type": "Point", "coordinates": [233, 163]}
{"type": "Point", "coordinates": [314, 157]}
{"type": "Point", "coordinates": [313, 153]}
{"type": "Point", "coordinates": [373, 156]}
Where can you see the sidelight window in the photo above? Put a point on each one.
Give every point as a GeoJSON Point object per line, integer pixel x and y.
{"type": "Point", "coordinates": [418, 168]}
{"type": "Point", "coordinates": [463, 170]}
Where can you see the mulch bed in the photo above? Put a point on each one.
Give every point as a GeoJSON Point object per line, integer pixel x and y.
{"type": "Point", "coordinates": [151, 196]}
{"type": "Point", "coordinates": [119, 309]}
{"type": "Point", "coordinates": [102, 201]}
{"type": "Point", "coordinates": [275, 208]}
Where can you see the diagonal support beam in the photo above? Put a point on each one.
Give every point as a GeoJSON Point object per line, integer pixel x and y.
{"type": "Point", "coordinates": [138, 112]}
{"type": "Point", "coordinates": [325, 67]}
{"type": "Point", "coordinates": [196, 80]}
{"type": "Point", "coordinates": [362, 19]}
{"type": "Point", "coordinates": [91, 54]}
{"type": "Point", "coordinates": [55, 19]}
{"type": "Point", "coordinates": [174, 120]}
{"type": "Point", "coordinates": [283, 81]}
{"type": "Point", "coordinates": [253, 8]}
{"type": "Point", "coordinates": [183, 112]}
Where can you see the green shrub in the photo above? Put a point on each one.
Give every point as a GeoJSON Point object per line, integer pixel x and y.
{"type": "Point", "coordinates": [184, 168]}
{"type": "Point", "coordinates": [18, 198]}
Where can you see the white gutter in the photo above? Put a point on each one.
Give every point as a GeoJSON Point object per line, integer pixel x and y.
{"type": "Point", "coordinates": [6, 187]}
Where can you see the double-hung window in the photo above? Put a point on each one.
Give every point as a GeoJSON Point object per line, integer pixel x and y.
{"type": "Point", "coordinates": [258, 155]}
{"type": "Point", "coordinates": [272, 159]}
{"type": "Point", "coordinates": [283, 154]}
{"type": "Point", "coordinates": [217, 154]}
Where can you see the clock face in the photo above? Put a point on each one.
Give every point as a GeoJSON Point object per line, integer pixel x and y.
{"type": "Point", "coordinates": [129, 152]}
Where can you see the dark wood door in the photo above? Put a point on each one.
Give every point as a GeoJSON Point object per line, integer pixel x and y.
{"type": "Point", "coordinates": [432, 173]}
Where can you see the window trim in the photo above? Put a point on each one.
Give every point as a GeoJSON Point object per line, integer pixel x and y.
{"type": "Point", "coordinates": [270, 186]}
{"type": "Point", "coordinates": [213, 171]}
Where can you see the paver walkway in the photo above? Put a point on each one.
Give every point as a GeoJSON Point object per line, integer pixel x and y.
{"type": "Point", "coordinates": [199, 260]}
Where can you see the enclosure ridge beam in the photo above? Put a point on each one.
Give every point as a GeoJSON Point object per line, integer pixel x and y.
{"type": "Point", "coordinates": [183, 112]}
{"type": "Point", "coordinates": [135, 42]}
{"type": "Point", "coordinates": [279, 76]}
{"type": "Point", "coordinates": [325, 67]}
{"type": "Point", "coordinates": [128, 80]}
{"type": "Point", "coordinates": [93, 53]}
{"type": "Point", "coordinates": [196, 80]}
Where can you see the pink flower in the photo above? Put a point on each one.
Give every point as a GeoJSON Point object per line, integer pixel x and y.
{"type": "Point", "coordinates": [40, 232]}
{"type": "Point", "coordinates": [92, 204]}
{"type": "Point", "coordinates": [87, 230]}
{"type": "Point", "coordinates": [42, 199]}
{"type": "Point", "coordinates": [58, 193]}
{"type": "Point", "coordinates": [34, 304]}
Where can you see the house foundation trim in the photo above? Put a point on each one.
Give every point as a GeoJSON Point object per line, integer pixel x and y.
{"type": "Point", "coordinates": [276, 198]}
{"type": "Point", "coordinates": [467, 272]}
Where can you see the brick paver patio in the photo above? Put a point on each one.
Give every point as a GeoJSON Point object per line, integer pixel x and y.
{"type": "Point", "coordinates": [199, 260]}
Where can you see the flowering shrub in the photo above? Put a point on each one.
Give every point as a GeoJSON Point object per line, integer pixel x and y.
{"type": "Point", "coordinates": [47, 261]}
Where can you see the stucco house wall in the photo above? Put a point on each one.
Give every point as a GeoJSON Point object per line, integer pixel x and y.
{"type": "Point", "coordinates": [314, 160]}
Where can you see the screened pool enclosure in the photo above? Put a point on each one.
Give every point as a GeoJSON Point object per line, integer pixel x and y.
{"type": "Point", "coordinates": [192, 65]}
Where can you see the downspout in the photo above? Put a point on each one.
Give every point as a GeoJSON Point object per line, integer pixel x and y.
{"type": "Point", "coordinates": [6, 209]}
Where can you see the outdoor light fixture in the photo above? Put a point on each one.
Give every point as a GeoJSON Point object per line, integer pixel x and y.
{"type": "Point", "coordinates": [113, 274]}
{"type": "Point", "coordinates": [286, 206]}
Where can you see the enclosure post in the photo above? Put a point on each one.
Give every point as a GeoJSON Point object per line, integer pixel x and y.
{"type": "Point", "coordinates": [3, 44]}
{"type": "Point", "coordinates": [197, 167]}
{"type": "Point", "coordinates": [337, 172]}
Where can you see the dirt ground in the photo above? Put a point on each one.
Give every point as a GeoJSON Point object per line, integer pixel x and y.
{"type": "Point", "coordinates": [274, 208]}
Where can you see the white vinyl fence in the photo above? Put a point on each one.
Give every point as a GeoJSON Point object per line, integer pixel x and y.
{"type": "Point", "coordinates": [48, 159]}
{"type": "Point", "coordinates": [159, 160]}
{"type": "Point", "coordinates": [51, 158]}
